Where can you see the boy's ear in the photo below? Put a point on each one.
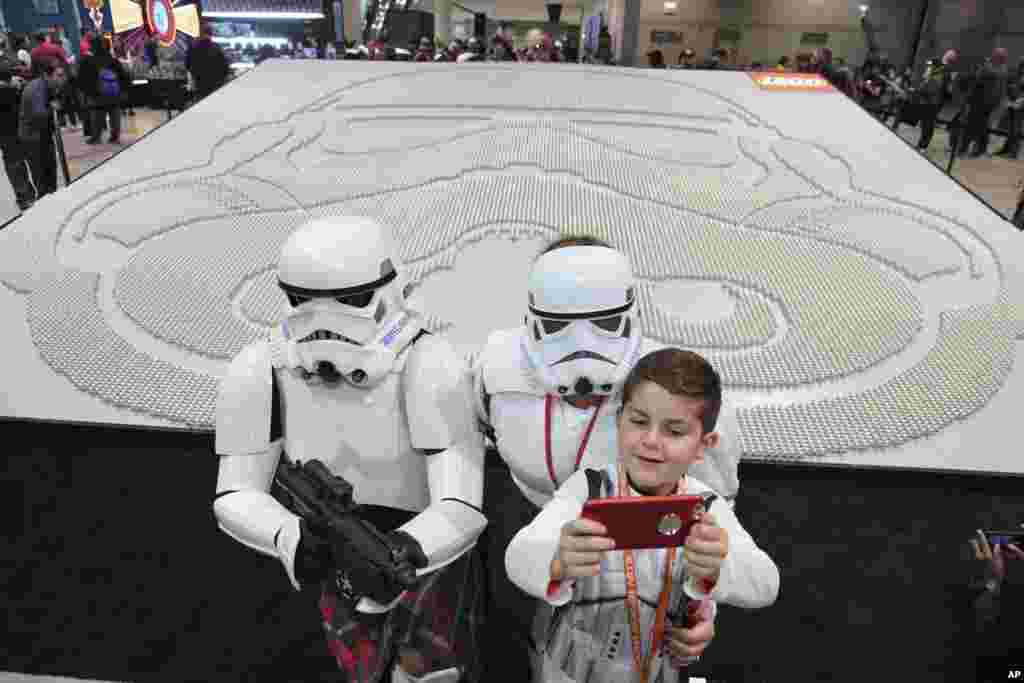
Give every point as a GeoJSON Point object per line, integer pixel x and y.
{"type": "Point", "coordinates": [711, 439]}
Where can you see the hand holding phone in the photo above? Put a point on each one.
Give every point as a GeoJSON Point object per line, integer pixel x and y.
{"type": "Point", "coordinates": [995, 547]}
{"type": "Point", "coordinates": [706, 548]}
{"type": "Point", "coordinates": [581, 545]}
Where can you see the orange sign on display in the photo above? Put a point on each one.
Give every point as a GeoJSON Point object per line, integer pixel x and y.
{"type": "Point", "coordinates": [791, 82]}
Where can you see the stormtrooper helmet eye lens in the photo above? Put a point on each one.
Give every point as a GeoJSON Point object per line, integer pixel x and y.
{"type": "Point", "coordinates": [296, 301]}
{"type": "Point", "coordinates": [361, 300]}
{"type": "Point", "coordinates": [610, 324]}
{"type": "Point", "coordinates": [552, 326]}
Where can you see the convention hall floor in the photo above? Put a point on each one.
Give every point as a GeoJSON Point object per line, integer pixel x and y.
{"type": "Point", "coordinates": [994, 179]}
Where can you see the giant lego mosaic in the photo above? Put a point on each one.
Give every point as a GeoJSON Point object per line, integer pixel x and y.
{"type": "Point", "coordinates": [862, 307]}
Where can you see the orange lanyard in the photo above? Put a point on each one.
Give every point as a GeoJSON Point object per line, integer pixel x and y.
{"type": "Point", "coordinates": [549, 401]}
{"type": "Point", "coordinates": [643, 663]}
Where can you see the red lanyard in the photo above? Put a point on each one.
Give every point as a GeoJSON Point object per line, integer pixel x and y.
{"type": "Point", "coordinates": [643, 663]}
{"type": "Point", "coordinates": [549, 401]}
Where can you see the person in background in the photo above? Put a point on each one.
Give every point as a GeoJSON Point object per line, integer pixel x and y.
{"type": "Point", "coordinates": [264, 53]}
{"type": "Point", "coordinates": [604, 55]}
{"type": "Point", "coordinates": [996, 600]}
{"type": "Point", "coordinates": [207, 64]}
{"type": "Point", "coordinates": [36, 125]}
{"type": "Point", "coordinates": [379, 48]}
{"type": "Point", "coordinates": [1018, 214]}
{"type": "Point", "coordinates": [48, 47]}
{"type": "Point", "coordinates": [150, 51]}
{"type": "Point", "coordinates": [502, 49]}
{"type": "Point", "coordinates": [985, 96]}
{"type": "Point", "coordinates": [9, 65]}
{"type": "Point", "coordinates": [425, 50]}
{"type": "Point", "coordinates": [1015, 94]}
{"type": "Point", "coordinates": [63, 40]}
{"type": "Point", "coordinates": [24, 56]}
{"type": "Point", "coordinates": [103, 80]}
{"type": "Point", "coordinates": [543, 49]}
{"type": "Point", "coordinates": [85, 45]}
{"type": "Point", "coordinates": [123, 54]}
{"type": "Point", "coordinates": [474, 51]}
{"type": "Point", "coordinates": [713, 60]}
{"type": "Point", "coordinates": [452, 54]}
{"type": "Point", "coordinates": [933, 93]}
{"type": "Point", "coordinates": [688, 58]}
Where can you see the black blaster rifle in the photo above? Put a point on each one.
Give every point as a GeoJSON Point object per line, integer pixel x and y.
{"type": "Point", "coordinates": [325, 501]}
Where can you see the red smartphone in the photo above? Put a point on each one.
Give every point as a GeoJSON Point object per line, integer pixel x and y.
{"type": "Point", "coordinates": [639, 522]}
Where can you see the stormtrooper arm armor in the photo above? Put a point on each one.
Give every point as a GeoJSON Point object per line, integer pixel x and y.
{"type": "Point", "coordinates": [441, 425]}
{"type": "Point", "coordinates": [243, 506]}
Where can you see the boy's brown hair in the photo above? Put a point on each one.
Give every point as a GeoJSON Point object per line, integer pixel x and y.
{"type": "Point", "coordinates": [680, 373]}
{"type": "Point", "coordinates": [575, 241]}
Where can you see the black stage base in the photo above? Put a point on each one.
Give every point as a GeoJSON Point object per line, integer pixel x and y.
{"type": "Point", "coordinates": [114, 569]}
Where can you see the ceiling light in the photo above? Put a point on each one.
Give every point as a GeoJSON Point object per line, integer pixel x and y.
{"type": "Point", "coordinates": [263, 15]}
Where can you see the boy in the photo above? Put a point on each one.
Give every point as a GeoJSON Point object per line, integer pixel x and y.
{"type": "Point", "coordinates": [670, 404]}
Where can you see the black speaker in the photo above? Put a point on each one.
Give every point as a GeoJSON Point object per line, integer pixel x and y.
{"type": "Point", "coordinates": [480, 26]}
{"type": "Point", "coordinates": [554, 14]}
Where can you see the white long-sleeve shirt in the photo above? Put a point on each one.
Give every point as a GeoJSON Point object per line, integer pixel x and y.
{"type": "Point", "coordinates": [601, 649]}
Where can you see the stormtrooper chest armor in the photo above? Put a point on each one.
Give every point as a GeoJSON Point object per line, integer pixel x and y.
{"type": "Point", "coordinates": [360, 434]}
{"type": "Point", "coordinates": [517, 414]}
{"type": "Point", "coordinates": [519, 423]}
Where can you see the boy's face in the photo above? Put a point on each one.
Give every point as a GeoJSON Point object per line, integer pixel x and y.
{"type": "Point", "coordinates": [660, 436]}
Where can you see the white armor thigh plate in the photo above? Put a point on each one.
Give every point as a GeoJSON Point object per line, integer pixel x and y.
{"type": "Point", "coordinates": [363, 435]}
{"type": "Point", "coordinates": [518, 421]}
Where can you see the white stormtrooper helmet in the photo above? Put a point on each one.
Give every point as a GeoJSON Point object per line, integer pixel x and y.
{"type": "Point", "coordinates": [348, 317]}
{"type": "Point", "coordinates": [582, 335]}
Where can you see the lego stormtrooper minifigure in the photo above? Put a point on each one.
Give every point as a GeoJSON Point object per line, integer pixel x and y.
{"type": "Point", "coordinates": [547, 395]}
{"type": "Point", "coordinates": [351, 379]}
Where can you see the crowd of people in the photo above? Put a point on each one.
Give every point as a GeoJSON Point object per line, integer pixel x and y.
{"type": "Point", "coordinates": [969, 99]}
{"type": "Point", "coordinates": [896, 97]}
{"type": "Point", "coordinates": [978, 97]}
{"type": "Point", "coordinates": [54, 87]}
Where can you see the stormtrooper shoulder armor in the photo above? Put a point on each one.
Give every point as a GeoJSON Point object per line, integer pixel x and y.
{"type": "Point", "coordinates": [503, 366]}
{"type": "Point", "coordinates": [245, 403]}
{"type": "Point", "coordinates": [437, 394]}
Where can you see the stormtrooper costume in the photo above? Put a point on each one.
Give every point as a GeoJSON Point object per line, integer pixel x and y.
{"type": "Point", "coordinates": [350, 378]}
{"type": "Point", "coordinates": [580, 339]}
{"type": "Point", "coordinates": [589, 638]}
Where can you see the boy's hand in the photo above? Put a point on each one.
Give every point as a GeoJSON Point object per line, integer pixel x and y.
{"type": "Point", "coordinates": [580, 548]}
{"type": "Point", "coordinates": [706, 548]}
{"type": "Point", "coordinates": [689, 642]}
{"type": "Point", "coordinates": [995, 556]}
